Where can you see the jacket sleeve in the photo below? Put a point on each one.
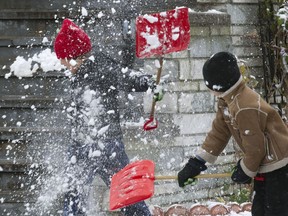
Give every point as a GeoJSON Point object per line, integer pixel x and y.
{"type": "Point", "coordinates": [217, 138]}
{"type": "Point", "coordinates": [131, 80]}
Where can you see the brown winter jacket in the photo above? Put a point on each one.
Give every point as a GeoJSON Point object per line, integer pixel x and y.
{"type": "Point", "coordinates": [256, 126]}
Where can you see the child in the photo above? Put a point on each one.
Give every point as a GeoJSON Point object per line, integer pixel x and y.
{"type": "Point", "coordinates": [98, 148]}
{"type": "Point", "coordinates": [258, 130]}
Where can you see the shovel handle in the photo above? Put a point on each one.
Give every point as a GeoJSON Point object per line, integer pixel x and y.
{"type": "Point", "coordinates": [157, 82]}
{"type": "Point", "coordinates": [159, 71]}
{"type": "Point", "coordinates": [147, 125]}
{"type": "Point", "coordinates": [213, 175]}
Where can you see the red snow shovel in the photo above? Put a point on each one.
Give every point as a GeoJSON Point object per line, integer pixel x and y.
{"type": "Point", "coordinates": [135, 183]}
{"type": "Point", "coordinates": [158, 34]}
{"type": "Point", "coordinates": [162, 33]}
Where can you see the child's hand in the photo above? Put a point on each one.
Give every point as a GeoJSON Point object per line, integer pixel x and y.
{"type": "Point", "coordinates": [239, 176]}
{"type": "Point", "coordinates": [190, 170]}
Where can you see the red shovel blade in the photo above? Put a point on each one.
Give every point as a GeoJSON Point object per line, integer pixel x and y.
{"type": "Point", "coordinates": [134, 183]}
{"type": "Point", "coordinates": [162, 33]}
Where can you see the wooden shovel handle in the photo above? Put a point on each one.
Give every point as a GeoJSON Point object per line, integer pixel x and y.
{"type": "Point", "coordinates": [213, 175]}
{"type": "Point", "coordinates": [159, 71]}
{"type": "Point", "coordinates": [147, 126]}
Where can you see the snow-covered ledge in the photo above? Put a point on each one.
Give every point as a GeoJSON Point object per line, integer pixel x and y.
{"type": "Point", "coordinates": [211, 17]}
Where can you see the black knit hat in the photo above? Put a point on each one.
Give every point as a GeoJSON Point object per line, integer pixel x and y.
{"type": "Point", "coordinates": [221, 71]}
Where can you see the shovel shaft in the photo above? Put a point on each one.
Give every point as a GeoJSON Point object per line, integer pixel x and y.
{"type": "Point", "coordinates": [152, 112]}
{"type": "Point", "coordinates": [159, 71]}
{"type": "Point", "coordinates": [214, 175]}
{"type": "Point", "coordinates": [157, 82]}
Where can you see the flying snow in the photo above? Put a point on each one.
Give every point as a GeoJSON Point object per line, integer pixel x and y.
{"type": "Point", "coordinates": [46, 60]}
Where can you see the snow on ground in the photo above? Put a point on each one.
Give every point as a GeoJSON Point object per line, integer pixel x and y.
{"type": "Point", "coordinates": [241, 213]}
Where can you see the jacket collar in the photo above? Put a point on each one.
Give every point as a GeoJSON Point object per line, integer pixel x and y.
{"type": "Point", "coordinates": [230, 94]}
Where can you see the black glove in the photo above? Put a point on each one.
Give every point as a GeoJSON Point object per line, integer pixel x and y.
{"type": "Point", "coordinates": [239, 176]}
{"type": "Point", "coordinates": [190, 170]}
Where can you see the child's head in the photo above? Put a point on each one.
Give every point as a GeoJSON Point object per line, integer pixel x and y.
{"type": "Point", "coordinates": [221, 71]}
{"type": "Point", "coordinates": [71, 41]}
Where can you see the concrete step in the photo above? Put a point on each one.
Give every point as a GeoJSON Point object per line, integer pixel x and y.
{"type": "Point", "coordinates": [9, 53]}
{"type": "Point", "coordinates": [49, 86]}
{"type": "Point", "coordinates": [30, 101]}
{"type": "Point", "coordinates": [17, 197]}
{"type": "Point", "coordinates": [13, 150]}
{"type": "Point", "coordinates": [12, 208]}
{"type": "Point", "coordinates": [36, 4]}
{"type": "Point", "coordinates": [13, 166]}
{"type": "Point", "coordinates": [41, 119]}
{"type": "Point", "coordinates": [32, 14]}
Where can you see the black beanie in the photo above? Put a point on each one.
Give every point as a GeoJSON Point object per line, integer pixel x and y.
{"type": "Point", "coordinates": [221, 71]}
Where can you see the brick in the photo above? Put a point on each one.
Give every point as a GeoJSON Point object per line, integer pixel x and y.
{"type": "Point", "coordinates": [196, 102]}
{"type": "Point", "coordinates": [199, 31]}
{"type": "Point", "coordinates": [227, 156]}
{"type": "Point", "coordinates": [196, 68]}
{"type": "Point", "coordinates": [200, 47]}
{"type": "Point", "coordinates": [170, 159]}
{"type": "Point", "coordinates": [246, 1]}
{"type": "Point", "coordinates": [170, 67]}
{"type": "Point", "coordinates": [183, 86]}
{"type": "Point", "coordinates": [134, 143]}
{"type": "Point", "coordinates": [144, 154]}
{"type": "Point", "coordinates": [180, 54]}
{"type": "Point", "coordinates": [220, 30]}
{"type": "Point", "coordinates": [206, 46]}
{"type": "Point", "coordinates": [212, 1]}
{"type": "Point", "coordinates": [243, 29]}
{"type": "Point", "coordinates": [237, 40]}
{"type": "Point", "coordinates": [246, 40]}
{"type": "Point", "coordinates": [220, 43]}
{"type": "Point", "coordinates": [157, 5]}
{"type": "Point", "coordinates": [189, 141]}
{"type": "Point", "coordinates": [202, 86]}
{"type": "Point", "coordinates": [190, 151]}
{"type": "Point", "coordinates": [207, 18]}
{"type": "Point", "coordinates": [185, 68]}
{"type": "Point", "coordinates": [243, 14]}
{"type": "Point", "coordinates": [194, 123]}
